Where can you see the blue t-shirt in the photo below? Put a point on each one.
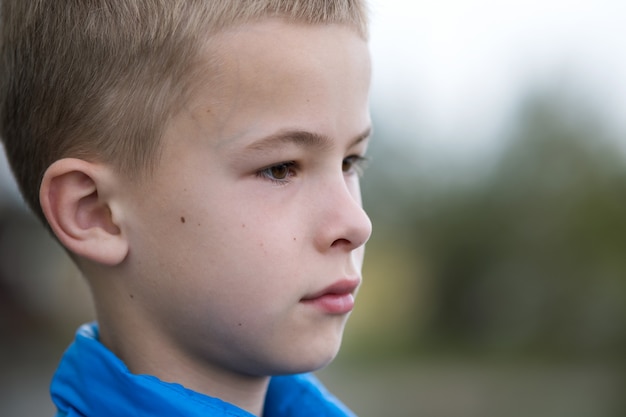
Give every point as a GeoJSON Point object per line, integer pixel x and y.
{"type": "Point", "coordinates": [92, 382]}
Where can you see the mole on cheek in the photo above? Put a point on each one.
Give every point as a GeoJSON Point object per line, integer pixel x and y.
{"type": "Point", "coordinates": [182, 219]}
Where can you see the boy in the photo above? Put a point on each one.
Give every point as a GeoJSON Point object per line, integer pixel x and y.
{"type": "Point", "coordinates": [199, 162]}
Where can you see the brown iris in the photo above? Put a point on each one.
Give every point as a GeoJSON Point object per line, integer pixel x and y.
{"type": "Point", "coordinates": [279, 172]}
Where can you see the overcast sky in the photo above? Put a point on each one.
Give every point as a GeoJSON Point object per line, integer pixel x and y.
{"type": "Point", "coordinates": [457, 66]}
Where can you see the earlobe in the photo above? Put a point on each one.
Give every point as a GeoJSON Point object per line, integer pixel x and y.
{"type": "Point", "coordinates": [79, 213]}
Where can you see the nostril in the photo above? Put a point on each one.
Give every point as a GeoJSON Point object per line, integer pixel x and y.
{"type": "Point", "coordinates": [341, 242]}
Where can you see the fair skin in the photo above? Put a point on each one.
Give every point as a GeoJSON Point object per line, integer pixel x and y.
{"type": "Point", "coordinates": [240, 256]}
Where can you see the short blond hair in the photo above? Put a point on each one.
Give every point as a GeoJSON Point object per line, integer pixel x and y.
{"type": "Point", "coordinates": [98, 79]}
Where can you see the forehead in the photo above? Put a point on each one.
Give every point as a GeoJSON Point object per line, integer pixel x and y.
{"type": "Point", "coordinates": [272, 40]}
{"type": "Point", "coordinates": [269, 76]}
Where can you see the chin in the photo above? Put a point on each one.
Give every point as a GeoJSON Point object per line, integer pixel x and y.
{"type": "Point", "coordinates": [302, 367]}
{"type": "Point", "coordinates": [311, 357]}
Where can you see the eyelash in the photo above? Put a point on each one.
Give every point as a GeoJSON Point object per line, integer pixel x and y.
{"type": "Point", "coordinates": [356, 164]}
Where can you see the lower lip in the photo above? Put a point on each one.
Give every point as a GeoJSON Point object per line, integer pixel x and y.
{"type": "Point", "coordinates": [333, 303]}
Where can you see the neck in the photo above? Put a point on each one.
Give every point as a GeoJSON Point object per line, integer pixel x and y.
{"type": "Point", "coordinates": [144, 350]}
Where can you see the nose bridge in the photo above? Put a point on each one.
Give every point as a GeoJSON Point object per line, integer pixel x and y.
{"type": "Point", "coordinates": [343, 221]}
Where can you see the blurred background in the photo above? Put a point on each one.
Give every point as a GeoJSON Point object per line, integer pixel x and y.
{"type": "Point", "coordinates": [495, 280]}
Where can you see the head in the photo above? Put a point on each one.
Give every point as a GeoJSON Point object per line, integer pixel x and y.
{"type": "Point", "coordinates": [103, 90]}
{"type": "Point", "coordinates": [207, 178]}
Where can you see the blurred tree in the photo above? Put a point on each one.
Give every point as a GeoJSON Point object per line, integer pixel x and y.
{"type": "Point", "coordinates": [530, 258]}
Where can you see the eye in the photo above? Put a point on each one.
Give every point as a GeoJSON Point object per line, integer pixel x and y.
{"type": "Point", "coordinates": [354, 163]}
{"type": "Point", "coordinates": [279, 173]}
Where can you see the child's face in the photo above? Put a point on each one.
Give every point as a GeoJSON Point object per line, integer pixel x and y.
{"type": "Point", "coordinates": [253, 218]}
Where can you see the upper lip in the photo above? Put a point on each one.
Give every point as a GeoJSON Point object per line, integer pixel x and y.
{"type": "Point", "coordinates": [341, 287]}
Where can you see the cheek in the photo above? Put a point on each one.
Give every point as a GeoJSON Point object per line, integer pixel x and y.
{"type": "Point", "coordinates": [245, 253]}
{"type": "Point", "coordinates": [223, 248]}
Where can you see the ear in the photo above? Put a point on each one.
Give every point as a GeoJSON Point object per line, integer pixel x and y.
{"type": "Point", "coordinates": [75, 198]}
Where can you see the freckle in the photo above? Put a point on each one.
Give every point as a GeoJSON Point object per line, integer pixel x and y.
{"type": "Point", "coordinates": [199, 224]}
{"type": "Point", "coordinates": [132, 296]}
{"type": "Point", "coordinates": [239, 324]}
{"type": "Point", "coordinates": [182, 220]}
{"type": "Point", "coordinates": [294, 239]}
{"type": "Point", "coordinates": [243, 225]}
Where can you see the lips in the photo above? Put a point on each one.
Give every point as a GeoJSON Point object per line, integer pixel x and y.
{"type": "Point", "coordinates": [337, 298]}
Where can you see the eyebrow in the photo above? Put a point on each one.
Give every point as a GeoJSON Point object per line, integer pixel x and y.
{"type": "Point", "coordinates": [302, 138]}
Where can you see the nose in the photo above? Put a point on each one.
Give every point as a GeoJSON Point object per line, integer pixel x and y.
{"type": "Point", "coordinates": [342, 224]}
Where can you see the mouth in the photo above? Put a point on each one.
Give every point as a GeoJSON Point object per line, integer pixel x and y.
{"type": "Point", "coordinates": [337, 298]}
